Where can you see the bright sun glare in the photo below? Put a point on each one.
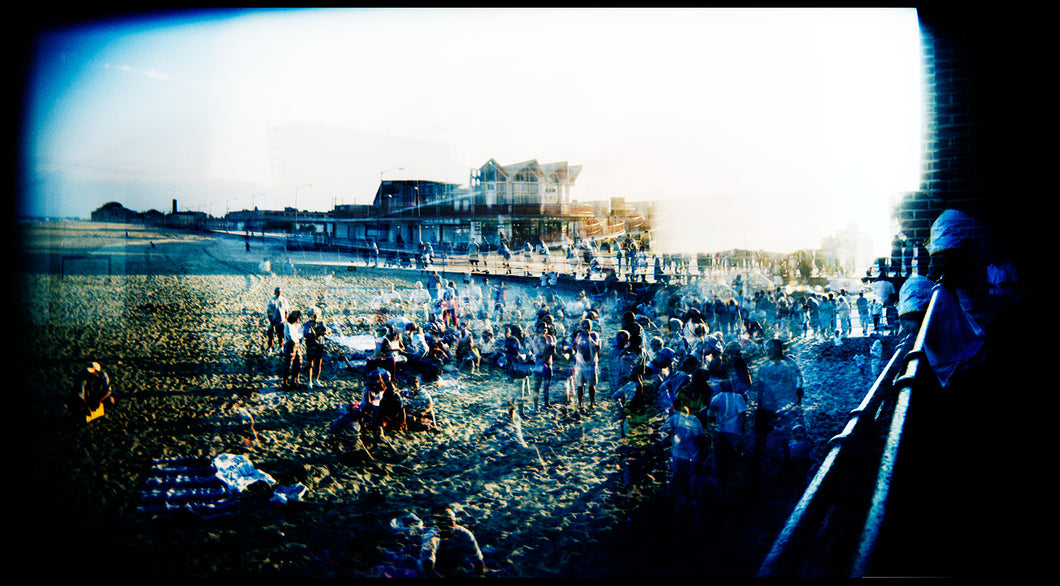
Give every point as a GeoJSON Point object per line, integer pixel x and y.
{"type": "Point", "coordinates": [762, 128]}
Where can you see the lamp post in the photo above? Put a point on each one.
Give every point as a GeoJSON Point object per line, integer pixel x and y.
{"type": "Point", "coordinates": [254, 214]}
{"type": "Point", "coordinates": [381, 184]}
{"type": "Point", "coordinates": [387, 170]}
{"type": "Point", "coordinates": [296, 205]}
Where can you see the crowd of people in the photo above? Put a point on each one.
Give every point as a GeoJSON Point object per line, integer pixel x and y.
{"type": "Point", "coordinates": [676, 363]}
{"type": "Point", "coordinates": [675, 368]}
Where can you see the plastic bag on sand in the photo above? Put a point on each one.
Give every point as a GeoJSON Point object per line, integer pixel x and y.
{"type": "Point", "coordinates": [406, 524]}
{"type": "Point", "coordinates": [238, 473]}
{"type": "Point", "coordinates": [285, 494]}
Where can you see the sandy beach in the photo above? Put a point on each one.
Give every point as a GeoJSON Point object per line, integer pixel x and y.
{"type": "Point", "coordinates": [178, 320]}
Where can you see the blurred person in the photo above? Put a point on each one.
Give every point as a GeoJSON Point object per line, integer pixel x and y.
{"type": "Point", "coordinates": [276, 311]}
{"type": "Point", "coordinates": [377, 382]}
{"type": "Point", "coordinates": [467, 351]}
{"type": "Point", "coordinates": [449, 549]}
{"type": "Point", "coordinates": [315, 334]}
{"type": "Point", "coordinates": [91, 391]}
{"type": "Point", "coordinates": [827, 314]}
{"type": "Point", "coordinates": [586, 346]}
{"type": "Point", "coordinates": [392, 415]}
{"type": "Point", "coordinates": [419, 407]}
{"type": "Point", "coordinates": [543, 349]}
{"type": "Point", "coordinates": [727, 416]}
{"type": "Point", "coordinates": [661, 363]}
{"type": "Point", "coordinates": [695, 395]}
{"type": "Point", "coordinates": [842, 308]}
{"type": "Point", "coordinates": [292, 349]}
{"type": "Point", "coordinates": [862, 306]}
{"type": "Point", "coordinates": [688, 465]}
{"type": "Point", "coordinates": [779, 388]}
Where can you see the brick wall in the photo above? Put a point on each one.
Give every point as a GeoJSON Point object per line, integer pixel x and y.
{"type": "Point", "coordinates": [980, 130]}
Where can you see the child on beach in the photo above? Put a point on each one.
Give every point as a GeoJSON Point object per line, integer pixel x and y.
{"type": "Point", "coordinates": [314, 333]}
{"type": "Point", "coordinates": [292, 349]}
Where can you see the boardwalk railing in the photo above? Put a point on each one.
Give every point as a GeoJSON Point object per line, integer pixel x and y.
{"type": "Point", "coordinates": [833, 529]}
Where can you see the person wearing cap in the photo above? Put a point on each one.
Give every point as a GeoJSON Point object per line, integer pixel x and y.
{"type": "Point", "coordinates": [276, 311]}
{"type": "Point", "coordinates": [314, 332]}
{"type": "Point", "coordinates": [778, 385]}
{"type": "Point", "coordinates": [586, 345]}
{"type": "Point", "coordinates": [448, 548]}
{"type": "Point", "coordinates": [92, 389]}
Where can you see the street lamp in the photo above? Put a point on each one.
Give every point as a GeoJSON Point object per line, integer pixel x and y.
{"type": "Point", "coordinates": [296, 205]}
{"type": "Point", "coordinates": [387, 170]}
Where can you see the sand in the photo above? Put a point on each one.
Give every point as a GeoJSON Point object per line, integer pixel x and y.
{"type": "Point", "coordinates": [177, 320]}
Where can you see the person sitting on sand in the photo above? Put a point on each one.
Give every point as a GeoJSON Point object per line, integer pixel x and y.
{"type": "Point", "coordinates": [376, 383]}
{"type": "Point", "coordinates": [91, 389]}
{"type": "Point", "coordinates": [419, 407]}
{"type": "Point", "coordinates": [390, 349]}
{"type": "Point", "coordinates": [449, 549]}
{"type": "Point", "coordinates": [467, 351]}
{"type": "Point", "coordinates": [392, 416]}
{"type": "Point", "coordinates": [417, 346]}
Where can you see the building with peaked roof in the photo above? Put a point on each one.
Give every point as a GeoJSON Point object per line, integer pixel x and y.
{"type": "Point", "coordinates": [522, 202]}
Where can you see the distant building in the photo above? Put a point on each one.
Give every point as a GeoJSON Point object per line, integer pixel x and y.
{"type": "Point", "coordinates": [522, 202]}
{"type": "Point", "coordinates": [114, 212]}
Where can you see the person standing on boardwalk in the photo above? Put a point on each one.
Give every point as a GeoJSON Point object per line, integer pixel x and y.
{"type": "Point", "coordinates": [276, 311]}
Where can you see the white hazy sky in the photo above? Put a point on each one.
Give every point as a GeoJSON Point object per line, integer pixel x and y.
{"type": "Point", "coordinates": [766, 128]}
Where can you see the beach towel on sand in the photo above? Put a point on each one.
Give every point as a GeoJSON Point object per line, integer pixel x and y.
{"type": "Point", "coordinates": [203, 487]}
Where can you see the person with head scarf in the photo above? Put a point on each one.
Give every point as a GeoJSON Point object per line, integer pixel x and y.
{"type": "Point", "coordinates": [955, 338]}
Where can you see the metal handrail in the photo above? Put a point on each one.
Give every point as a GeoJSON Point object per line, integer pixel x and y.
{"type": "Point", "coordinates": [917, 370]}
{"type": "Point", "coordinates": [809, 514]}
